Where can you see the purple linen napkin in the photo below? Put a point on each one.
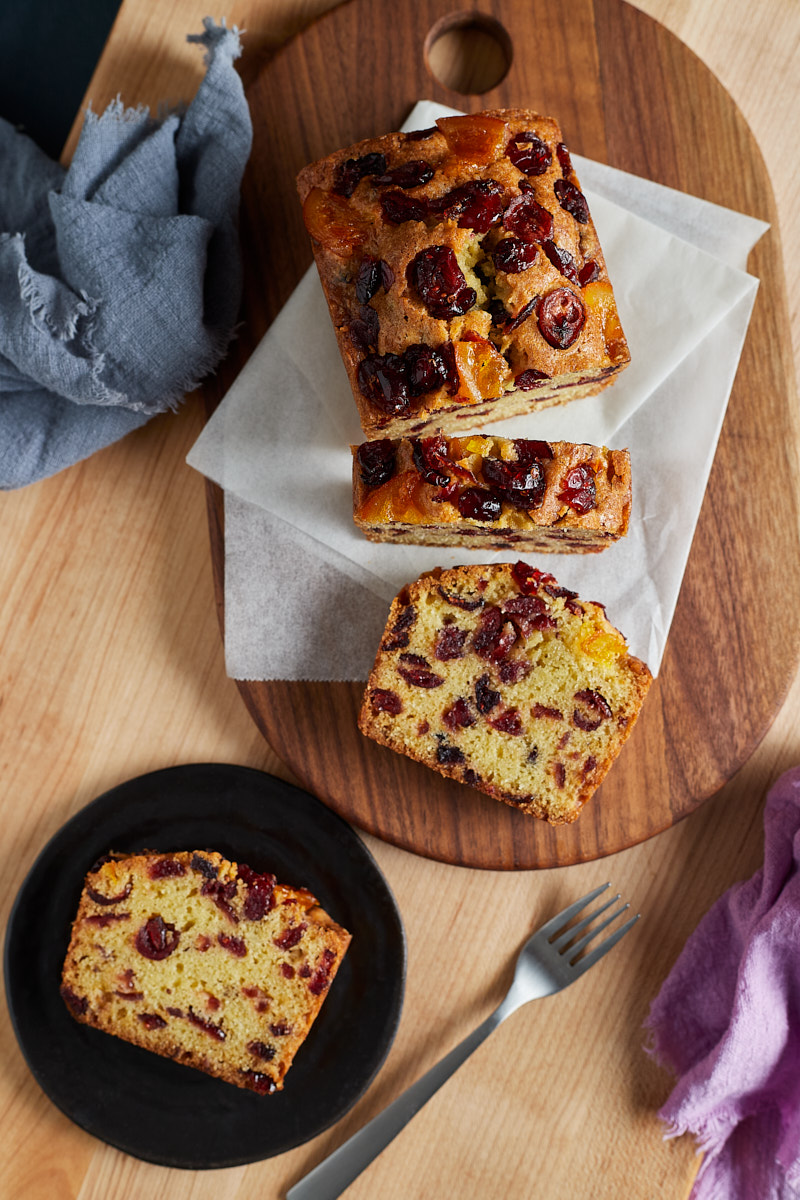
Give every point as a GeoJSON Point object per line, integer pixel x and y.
{"type": "Point", "coordinates": [727, 1023]}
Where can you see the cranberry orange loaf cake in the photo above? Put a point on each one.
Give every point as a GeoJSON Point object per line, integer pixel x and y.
{"type": "Point", "coordinates": [203, 961]}
{"type": "Point", "coordinates": [463, 272]}
{"type": "Point", "coordinates": [491, 491]}
{"type": "Point", "coordinates": [497, 677]}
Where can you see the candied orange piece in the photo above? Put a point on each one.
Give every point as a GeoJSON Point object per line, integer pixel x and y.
{"type": "Point", "coordinates": [603, 645]}
{"type": "Point", "coordinates": [483, 372]}
{"type": "Point", "coordinates": [399, 499]}
{"type": "Point", "coordinates": [333, 220]}
{"type": "Point", "coordinates": [599, 297]}
{"type": "Point", "coordinates": [475, 139]}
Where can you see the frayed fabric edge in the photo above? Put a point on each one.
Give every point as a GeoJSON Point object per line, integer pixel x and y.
{"type": "Point", "coordinates": [216, 35]}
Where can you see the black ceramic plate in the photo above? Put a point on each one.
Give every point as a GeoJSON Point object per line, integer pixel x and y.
{"type": "Point", "coordinates": [151, 1107]}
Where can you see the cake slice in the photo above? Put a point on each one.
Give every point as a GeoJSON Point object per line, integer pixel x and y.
{"type": "Point", "coordinates": [203, 961]}
{"type": "Point", "coordinates": [491, 492]}
{"type": "Point", "coordinates": [498, 677]}
{"type": "Point", "coordinates": [463, 273]}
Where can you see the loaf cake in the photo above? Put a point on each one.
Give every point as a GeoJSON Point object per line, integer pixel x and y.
{"type": "Point", "coordinates": [491, 492]}
{"type": "Point", "coordinates": [498, 677]}
{"type": "Point", "coordinates": [463, 273]}
{"type": "Point", "coordinates": [203, 961]}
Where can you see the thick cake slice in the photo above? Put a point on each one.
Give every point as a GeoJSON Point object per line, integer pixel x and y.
{"type": "Point", "coordinates": [463, 272]}
{"type": "Point", "coordinates": [491, 492]}
{"type": "Point", "coordinates": [499, 678]}
{"type": "Point", "coordinates": [203, 961]}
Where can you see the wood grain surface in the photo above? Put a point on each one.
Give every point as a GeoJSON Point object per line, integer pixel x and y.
{"type": "Point", "coordinates": [112, 665]}
{"type": "Point", "coordinates": [626, 91]}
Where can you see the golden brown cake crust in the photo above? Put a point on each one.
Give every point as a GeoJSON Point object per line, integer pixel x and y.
{"type": "Point", "coordinates": [203, 961]}
{"type": "Point", "coordinates": [426, 491]}
{"type": "Point", "coordinates": [499, 678]}
{"type": "Point", "coordinates": [568, 260]}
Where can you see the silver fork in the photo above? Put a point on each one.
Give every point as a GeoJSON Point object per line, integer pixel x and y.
{"type": "Point", "coordinates": [549, 961]}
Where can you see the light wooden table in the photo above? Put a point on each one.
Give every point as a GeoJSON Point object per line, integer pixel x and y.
{"type": "Point", "coordinates": [112, 665]}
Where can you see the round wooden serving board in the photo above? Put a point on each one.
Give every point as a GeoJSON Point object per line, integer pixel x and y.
{"type": "Point", "coordinates": [626, 92]}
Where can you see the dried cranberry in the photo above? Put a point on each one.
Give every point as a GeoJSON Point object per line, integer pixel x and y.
{"type": "Point", "coordinates": [397, 638]}
{"type": "Point", "coordinates": [166, 868]}
{"type": "Point", "coordinates": [507, 722]}
{"type": "Point", "coordinates": [429, 367]}
{"type": "Point", "coordinates": [261, 1050]}
{"type": "Point", "coordinates": [99, 898]}
{"type": "Point", "coordinates": [497, 311]}
{"type": "Point", "coordinates": [432, 460]}
{"type": "Point", "coordinates": [561, 318]}
{"type": "Point", "coordinates": [103, 920]}
{"type": "Point", "coordinates": [233, 945]}
{"type": "Point", "coordinates": [526, 613]}
{"type": "Point", "coordinates": [521, 484]}
{"type": "Point", "coordinates": [562, 260]}
{"type": "Point", "coordinates": [256, 1081]}
{"type": "Point", "coordinates": [349, 174]}
{"type": "Point", "coordinates": [471, 778]}
{"type": "Point", "coordinates": [592, 710]}
{"type": "Point", "coordinates": [222, 894]}
{"type": "Point", "coordinates": [447, 753]}
{"type": "Point", "coordinates": [562, 153]}
{"type": "Point", "coordinates": [260, 898]}
{"type": "Point", "coordinates": [459, 715]}
{"type": "Point", "coordinates": [76, 1004]}
{"type": "Point", "coordinates": [589, 765]}
{"type": "Point", "coordinates": [290, 936]}
{"type": "Point", "coordinates": [542, 711]}
{"type": "Point", "coordinates": [156, 939]}
{"type": "Point", "coordinates": [383, 700]}
{"type": "Point", "coordinates": [321, 977]}
{"type": "Point", "coordinates": [214, 1031]}
{"type": "Point", "coordinates": [398, 207]}
{"type": "Point", "coordinates": [526, 381]}
{"type": "Point", "coordinates": [512, 255]}
{"type": "Point", "coordinates": [523, 314]}
{"type": "Point", "coordinates": [578, 488]}
{"type": "Point", "coordinates": [494, 635]}
{"type": "Point", "coordinates": [533, 754]}
{"type": "Point", "coordinates": [440, 282]}
{"type": "Point", "coordinates": [409, 174]}
{"type": "Point", "coordinates": [287, 970]}
{"type": "Point", "coordinates": [204, 866]}
{"type": "Point", "coordinates": [416, 671]}
{"type": "Point", "coordinates": [450, 643]}
{"type": "Point", "coordinates": [528, 449]}
{"type": "Point", "coordinates": [457, 601]}
{"type": "Point", "coordinates": [477, 204]}
{"type": "Point", "coordinates": [421, 135]}
{"type": "Point", "coordinates": [560, 774]}
{"type": "Point", "coordinates": [529, 153]}
{"type": "Point", "coordinates": [526, 217]}
{"type": "Point", "coordinates": [513, 670]}
{"type": "Point", "coordinates": [280, 1029]}
{"type": "Point", "coordinates": [528, 579]}
{"type": "Point", "coordinates": [364, 330]}
{"type": "Point", "coordinates": [369, 278]}
{"type": "Point", "coordinates": [588, 272]}
{"type": "Point", "coordinates": [478, 504]}
{"type": "Point", "coordinates": [152, 1020]}
{"type": "Point", "coordinates": [572, 200]}
{"type": "Point", "coordinates": [376, 461]}
{"type": "Point", "coordinates": [382, 380]}
{"type": "Point", "coordinates": [485, 697]}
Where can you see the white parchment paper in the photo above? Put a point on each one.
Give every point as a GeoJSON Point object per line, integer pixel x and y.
{"type": "Point", "coordinates": [306, 595]}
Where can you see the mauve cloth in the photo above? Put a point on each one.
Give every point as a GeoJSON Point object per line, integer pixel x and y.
{"type": "Point", "coordinates": [120, 277]}
{"type": "Point", "coordinates": [727, 1023]}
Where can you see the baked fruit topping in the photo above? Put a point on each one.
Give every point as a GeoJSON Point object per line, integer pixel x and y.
{"type": "Point", "coordinates": [533, 700]}
{"type": "Point", "coordinates": [491, 491]}
{"type": "Point", "coordinates": [474, 230]}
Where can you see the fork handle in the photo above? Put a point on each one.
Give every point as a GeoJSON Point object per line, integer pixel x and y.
{"type": "Point", "coordinates": [336, 1172]}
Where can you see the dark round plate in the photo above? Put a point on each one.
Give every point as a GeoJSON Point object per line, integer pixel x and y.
{"type": "Point", "coordinates": [159, 1110]}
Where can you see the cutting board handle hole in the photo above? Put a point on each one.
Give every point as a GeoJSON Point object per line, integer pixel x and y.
{"type": "Point", "coordinates": [468, 52]}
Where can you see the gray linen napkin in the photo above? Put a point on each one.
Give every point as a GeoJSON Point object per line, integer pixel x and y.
{"type": "Point", "coordinates": [120, 277]}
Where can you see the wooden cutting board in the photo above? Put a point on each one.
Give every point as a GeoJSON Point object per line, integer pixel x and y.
{"type": "Point", "coordinates": [627, 92]}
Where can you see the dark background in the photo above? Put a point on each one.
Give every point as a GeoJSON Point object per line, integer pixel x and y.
{"type": "Point", "coordinates": [48, 52]}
